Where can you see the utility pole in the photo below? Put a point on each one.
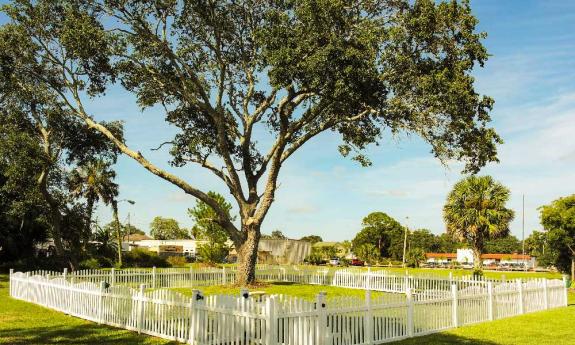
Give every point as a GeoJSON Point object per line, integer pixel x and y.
{"type": "Point", "coordinates": [405, 241]}
{"type": "Point", "coordinates": [523, 232]}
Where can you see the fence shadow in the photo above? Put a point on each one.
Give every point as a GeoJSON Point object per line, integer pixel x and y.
{"type": "Point", "coordinates": [78, 335]}
{"type": "Point", "coordinates": [443, 339]}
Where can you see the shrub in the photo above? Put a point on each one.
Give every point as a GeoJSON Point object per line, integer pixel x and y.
{"type": "Point", "coordinates": [213, 253]}
{"type": "Point", "coordinates": [176, 261]}
{"type": "Point", "coordinates": [143, 258]}
{"type": "Point", "coordinates": [314, 259]}
{"type": "Point", "coordinates": [91, 263]}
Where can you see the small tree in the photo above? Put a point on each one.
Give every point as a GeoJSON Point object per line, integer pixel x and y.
{"type": "Point", "coordinates": [213, 252]}
{"type": "Point", "coordinates": [384, 232]}
{"type": "Point", "coordinates": [205, 217]}
{"type": "Point", "coordinates": [167, 229]}
{"type": "Point", "coordinates": [475, 212]}
{"type": "Point", "coordinates": [367, 252]}
{"type": "Point", "coordinates": [313, 239]}
{"type": "Point", "coordinates": [558, 220]}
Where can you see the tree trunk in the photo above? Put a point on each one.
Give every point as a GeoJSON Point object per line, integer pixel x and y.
{"type": "Point", "coordinates": [572, 270]}
{"type": "Point", "coordinates": [248, 255]}
{"type": "Point", "coordinates": [118, 232]}
{"type": "Point", "coordinates": [90, 211]}
{"type": "Point", "coordinates": [477, 262]}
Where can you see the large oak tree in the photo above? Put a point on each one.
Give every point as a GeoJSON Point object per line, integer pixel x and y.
{"type": "Point", "coordinates": [227, 71]}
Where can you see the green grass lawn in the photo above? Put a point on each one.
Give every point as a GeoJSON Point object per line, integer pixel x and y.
{"type": "Point", "coordinates": [308, 292]}
{"type": "Point", "coordinates": [26, 323]}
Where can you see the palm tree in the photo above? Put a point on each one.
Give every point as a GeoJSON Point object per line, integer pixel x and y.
{"type": "Point", "coordinates": [94, 180]}
{"type": "Point", "coordinates": [475, 212]}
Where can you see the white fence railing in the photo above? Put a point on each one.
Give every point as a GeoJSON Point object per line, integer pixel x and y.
{"type": "Point", "coordinates": [281, 319]}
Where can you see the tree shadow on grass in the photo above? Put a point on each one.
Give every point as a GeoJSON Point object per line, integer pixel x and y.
{"type": "Point", "coordinates": [443, 339]}
{"type": "Point", "coordinates": [77, 335]}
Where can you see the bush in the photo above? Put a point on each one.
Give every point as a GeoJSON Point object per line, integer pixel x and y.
{"type": "Point", "coordinates": [176, 261]}
{"type": "Point", "coordinates": [314, 259]}
{"type": "Point", "coordinates": [143, 258]}
{"type": "Point", "coordinates": [213, 253]}
{"type": "Point", "coordinates": [90, 264]}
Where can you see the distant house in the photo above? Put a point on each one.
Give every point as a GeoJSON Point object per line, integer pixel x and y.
{"type": "Point", "coordinates": [465, 255]}
{"type": "Point", "coordinates": [182, 247]}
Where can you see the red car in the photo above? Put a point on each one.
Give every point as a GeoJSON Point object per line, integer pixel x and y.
{"type": "Point", "coordinates": [357, 262]}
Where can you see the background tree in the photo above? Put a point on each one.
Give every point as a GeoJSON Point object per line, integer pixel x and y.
{"type": "Point", "coordinates": [167, 229]}
{"type": "Point", "coordinates": [384, 232]}
{"type": "Point", "coordinates": [275, 235]}
{"type": "Point", "coordinates": [423, 239]}
{"type": "Point", "coordinates": [503, 245]}
{"type": "Point", "coordinates": [475, 212]}
{"type": "Point", "coordinates": [313, 239]}
{"type": "Point", "coordinates": [367, 252]}
{"type": "Point", "coordinates": [94, 180]}
{"type": "Point", "coordinates": [213, 252]}
{"type": "Point", "coordinates": [415, 256]}
{"type": "Point", "coordinates": [537, 245]}
{"type": "Point", "coordinates": [205, 217]}
{"type": "Point", "coordinates": [558, 220]}
{"type": "Point", "coordinates": [227, 72]}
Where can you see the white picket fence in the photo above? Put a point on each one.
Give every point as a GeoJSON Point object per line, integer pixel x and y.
{"type": "Point", "coordinates": [281, 319]}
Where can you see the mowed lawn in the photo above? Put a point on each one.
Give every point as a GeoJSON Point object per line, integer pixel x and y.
{"type": "Point", "coordinates": [25, 323]}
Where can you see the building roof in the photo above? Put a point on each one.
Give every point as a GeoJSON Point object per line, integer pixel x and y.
{"type": "Point", "coordinates": [441, 255]}
{"type": "Point", "coordinates": [513, 256]}
{"type": "Point", "coordinates": [506, 256]}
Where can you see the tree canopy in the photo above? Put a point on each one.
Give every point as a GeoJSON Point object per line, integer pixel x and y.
{"type": "Point", "coordinates": [475, 212]}
{"type": "Point", "coordinates": [225, 72]}
{"type": "Point", "coordinates": [312, 239]}
{"type": "Point", "coordinates": [205, 217]}
{"type": "Point", "coordinates": [167, 229]}
{"type": "Point", "coordinates": [558, 220]}
{"type": "Point", "coordinates": [384, 232]}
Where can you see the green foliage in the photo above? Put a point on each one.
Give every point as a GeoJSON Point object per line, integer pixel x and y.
{"type": "Point", "coordinates": [367, 252]}
{"type": "Point", "coordinates": [558, 220]}
{"type": "Point", "coordinates": [167, 229]}
{"type": "Point", "coordinates": [314, 258]}
{"type": "Point", "coordinates": [205, 217]}
{"type": "Point", "coordinates": [213, 252]}
{"type": "Point", "coordinates": [415, 257]}
{"type": "Point", "coordinates": [503, 245]}
{"type": "Point", "coordinates": [176, 261]}
{"type": "Point", "coordinates": [384, 232]}
{"type": "Point", "coordinates": [275, 235]}
{"type": "Point", "coordinates": [143, 258]}
{"type": "Point", "coordinates": [312, 239]}
{"type": "Point", "coordinates": [325, 252]}
{"type": "Point", "coordinates": [475, 212]}
{"type": "Point", "coordinates": [91, 263]}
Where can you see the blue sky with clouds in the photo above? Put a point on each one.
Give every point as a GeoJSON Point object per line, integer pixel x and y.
{"type": "Point", "coordinates": [531, 75]}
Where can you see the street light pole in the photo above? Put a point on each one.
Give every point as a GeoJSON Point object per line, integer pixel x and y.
{"type": "Point", "coordinates": [405, 241]}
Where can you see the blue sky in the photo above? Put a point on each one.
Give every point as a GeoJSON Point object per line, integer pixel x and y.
{"type": "Point", "coordinates": [531, 75]}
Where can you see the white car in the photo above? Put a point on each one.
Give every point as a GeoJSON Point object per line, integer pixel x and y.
{"type": "Point", "coordinates": [334, 261]}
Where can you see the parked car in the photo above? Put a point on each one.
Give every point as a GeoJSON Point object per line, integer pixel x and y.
{"type": "Point", "coordinates": [357, 262]}
{"type": "Point", "coordinates": [334, 261]}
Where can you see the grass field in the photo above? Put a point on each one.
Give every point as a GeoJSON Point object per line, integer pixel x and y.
{"type": "Point", "coordinates": [26, 323]}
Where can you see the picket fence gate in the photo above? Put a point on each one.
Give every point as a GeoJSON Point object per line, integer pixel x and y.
{"type": "Point", "coordinates": [279, 319]}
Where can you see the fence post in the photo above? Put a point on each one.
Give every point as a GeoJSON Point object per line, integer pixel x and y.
{"type": "Point", "coordinates": [566, 289]}
{"type": "Point", "coordinates": [12, 284]}
{"type": "Point", "coordinates": [191, 276]}
{"type": "Point", "coordinates": [367, 284]}
{"type": "Point", "coordinates": [321, 318]}
{"type": "Point", "coordinates": [410, 323]}
{"type": "Point", "coordinates": [491, 300]}
{"type": "Point", "coordinates": [271, 321]}
{"type": "Point", "coordinates": [520, 296]}
{"type": "Point", "coordinates": [140, 298]}
{"type": "Point", "coordinates": [65, 273]}
{"type": "Point", "coordinates": [454, 302]}
{"type": "Point", "coordinates": [194, 319]}
{"type": "Point", "coordinates": [545, 294]}
{"type": "Point", "coordinates": [101, 302]}
{"type": "Point", "coordinates": [113, 277]}
{"type": "Point", "coordinates": [406, 282]}
{"type": "Point", "coordinates": [154, 277]}
{"type": "Point", "coordinates": [369, 318]}
{"type": "Point", "coordinates": [224, 278]}
{"type": "Point", "coordinates": [27, 286]}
